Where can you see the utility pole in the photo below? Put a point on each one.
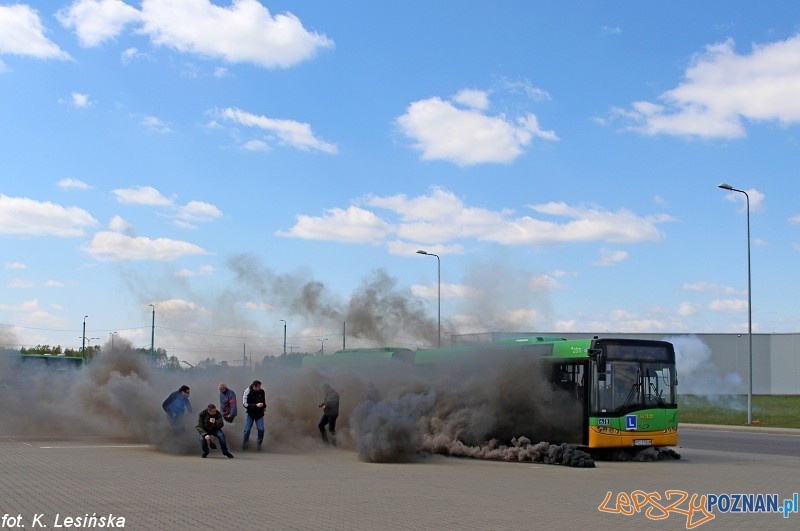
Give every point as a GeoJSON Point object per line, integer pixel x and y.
{"type": "Point", "coordinates": [284, 336]}
{"type": "Point", "coordinates": [153, 338]}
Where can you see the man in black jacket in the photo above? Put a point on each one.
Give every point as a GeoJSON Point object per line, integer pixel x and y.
{"type": "Point", "coordinates": [330, 412]}
{"type": "Point", "coordinates": [209, 423]}
{"type": "Point", "coordinates": [254, 402]}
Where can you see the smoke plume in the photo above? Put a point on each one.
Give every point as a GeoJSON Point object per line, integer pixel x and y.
{"type": "Point", "coordinates": [471, 410]}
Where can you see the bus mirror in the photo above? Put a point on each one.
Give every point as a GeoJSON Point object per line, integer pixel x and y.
{"type": "Point", "coordinates": [600, 358]}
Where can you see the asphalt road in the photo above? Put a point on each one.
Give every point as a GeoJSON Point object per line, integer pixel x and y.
{"type": "Point", "coordinates": [720, 439]}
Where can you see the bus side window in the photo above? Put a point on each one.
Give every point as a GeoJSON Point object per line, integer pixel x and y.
{"type": "Point", "coordinates": [570, 377]}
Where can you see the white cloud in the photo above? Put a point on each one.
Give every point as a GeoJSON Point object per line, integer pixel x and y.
{"type": "Point", "coordinates": [404, 248]}
{"type": "Point", "coordinates": [756, 200]}
{"type": "Point", "coordinates": [115, 246]}
{"type": "Point", "coordinates": [591, 223]}
{"type": "Point", "coordinates": [180, 308]}
{"type": "Point", "coordinates": [96, 21]}
{"type": "Point", "coordinates": [544, 283]}
{"type": "Point", "coordinates": [23, 216]}
{"type": "Point", "coordinates": [15, 265]}
{"type": "Point", "coordinates": [610, 257]}
{"type": "Point", "coordinates": [196, 211]}
{"type": "Point", "coordinates": [202, 271]}
{"type": "Point", "coordinates": [22, 33]}
{"type": "Point", "coordinates": [244, 32]}
{"type": "Point", "coordinates": [452, 291]}
{"type": "Point", "coordinates": [442, 131]}
{"type": "Point", "coordinates": [20, 284]}
{"type": "Point", "coordinates": [155, 124]}
{"type": "Point", "coordinates": [567, 325]}
{"type": "Point", "coordinates": [289, 132]}
{"type": "Point", "coordinates": [74, 184]}
{"type": "Point", "coordinates": [440, 218]}
{"type": "Point", "coordinates": [476, 99]}
{"type": "Point", "coordinates": [256, 145]}
{"type": "Point", "coordinates": [525, 87]}
{"type": "Point", "coordinates": [54, 284]}
{"type": "Point", "coordinates": [353, 225]}
{"type": "Point", "coordinates": [709, 287]}
{"type": "Point", "coordinates": [721, 89]}
{"type": "Point", "coordinates": [687, 308]}
{"type": "Point", "coordinates": [118, 224]}
{"type": "Point", "coordinates": [141, 195]}
{"type": "Point", "coordinates": [259, 306]}
{"type": "Point", "coordinates": [184, 216]}
{"type": "Point", "coordinates": [728, 305]}
{"type": "Point", "coordinates": [81, 101]}
{"type": "Point", "coordinates": [521, 317]}
{"type": "Point", "coordinates": [128, 55]}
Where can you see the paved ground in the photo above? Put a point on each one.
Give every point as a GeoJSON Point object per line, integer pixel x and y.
{"type": "Point", "coordinates": [45, 481]}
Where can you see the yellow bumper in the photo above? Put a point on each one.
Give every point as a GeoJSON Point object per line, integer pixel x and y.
{"type": "Point", "coordinates": [605, 437]}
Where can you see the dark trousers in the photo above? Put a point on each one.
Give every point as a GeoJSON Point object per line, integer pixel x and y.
{"type": "Point", "coordinates": [222, 442]}
{"type": "Point", "coordinates": [330, 421]}
{"type": "Point", "coordinates": [176, 423]}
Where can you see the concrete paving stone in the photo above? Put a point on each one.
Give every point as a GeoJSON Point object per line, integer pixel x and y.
{"type": "Point", "coordinates": [331, 489]}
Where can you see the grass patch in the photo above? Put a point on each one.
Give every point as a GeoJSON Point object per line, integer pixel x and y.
{"type": "Point", "coordinates": [773, 411]}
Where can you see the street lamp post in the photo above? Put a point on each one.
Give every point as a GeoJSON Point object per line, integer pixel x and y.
{"type": "Point", "coordinates": [730, 188]}
{"type": "Point", "coordinates": [322, 345]}
{"type": "Point", "coordinates": [153, 337]}
{"type": "Point", "coordinates": [439, 303]}
{"type": "Point", "coordinates": [112, 334]}
{"type": "Point", "coordinates": [284, 336]}
{"type": "Point", "coordinates": [83, 343]}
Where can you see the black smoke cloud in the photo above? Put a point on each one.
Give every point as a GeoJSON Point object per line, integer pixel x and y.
{"type": "Point", "coordinates": [469, 411]}
{"type": "Point", "coordinates": [474, 408]}
{"type": "Point", "coordinates": [378, 312]}
{"type": "Point", "coordinates": [480, 410]}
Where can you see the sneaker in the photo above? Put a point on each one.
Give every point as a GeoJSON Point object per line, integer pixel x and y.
{"type": "Point", "coordinates": [204, 455]}
{"type": "Point", "coordinates": [229, 455]}
{"type": "Point", "coordinates": [213, 445]}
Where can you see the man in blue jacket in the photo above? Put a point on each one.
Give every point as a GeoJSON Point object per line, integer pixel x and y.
{"type": "Point", "coordinates": [176, 404]}
{"type": "Point", "coordinates": [227, 402]}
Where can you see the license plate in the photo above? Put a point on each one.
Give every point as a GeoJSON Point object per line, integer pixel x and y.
{"type": "Point", "coordinates": [643, 442]}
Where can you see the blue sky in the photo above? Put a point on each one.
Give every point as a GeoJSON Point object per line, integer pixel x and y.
{"type": "Point", "coordinates": [235, 164]}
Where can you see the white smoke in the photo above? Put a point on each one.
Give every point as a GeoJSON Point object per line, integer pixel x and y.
{"type": "Point", "coordinates": [697, 373]}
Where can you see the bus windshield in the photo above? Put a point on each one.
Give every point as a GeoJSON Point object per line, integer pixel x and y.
{"type": "Point", "coordinates": [633, 385]}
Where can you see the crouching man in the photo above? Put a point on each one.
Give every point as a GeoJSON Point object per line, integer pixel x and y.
{"type": "Point", "coordinates": [209, 424]}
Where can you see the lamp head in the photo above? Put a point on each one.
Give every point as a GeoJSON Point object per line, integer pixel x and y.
{"type": "Point", "coordinates": [422, 252]}
{"type": "Point", "coordinates": [725, 186]}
